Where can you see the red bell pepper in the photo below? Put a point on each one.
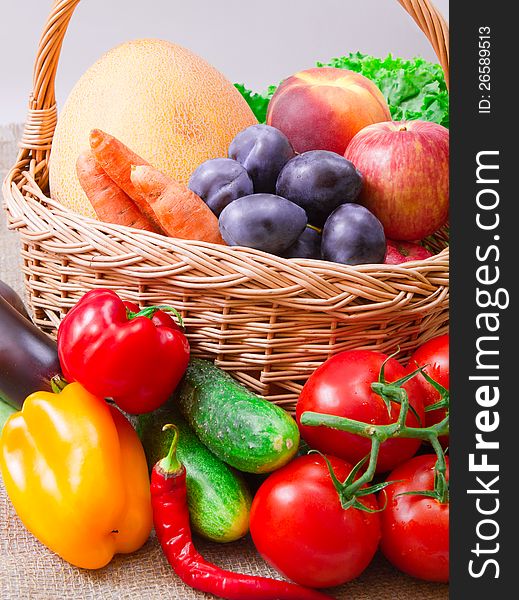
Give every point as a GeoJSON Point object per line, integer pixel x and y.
{"type": "Point", "coordinates": [137, 358]}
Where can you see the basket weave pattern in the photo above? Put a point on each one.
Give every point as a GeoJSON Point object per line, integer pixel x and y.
{"type": "Point", "coordinates": [269, 320]}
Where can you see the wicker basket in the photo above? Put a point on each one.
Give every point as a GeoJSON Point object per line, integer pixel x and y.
{"type": "Point", "coordinates": [269, 320]}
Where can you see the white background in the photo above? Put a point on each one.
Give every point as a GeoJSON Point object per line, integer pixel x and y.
{"type": "Point", "coordinates": [256, 42]}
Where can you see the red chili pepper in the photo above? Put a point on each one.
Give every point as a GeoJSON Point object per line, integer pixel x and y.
{"type": "Point", "coordinates": [135, 357]}
{"type": "Point", "coordinates": [171, 521]}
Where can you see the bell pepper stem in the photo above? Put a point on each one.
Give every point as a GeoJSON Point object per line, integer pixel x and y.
{"type": "Point", "coordinates": [149, 311]}
{"type": "Point", "coordinates": [58, 384]}
{"type": "Point", "coordinates": [170, 465]}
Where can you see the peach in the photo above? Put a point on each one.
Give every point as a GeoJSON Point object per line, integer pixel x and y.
{"type": "Point", "coordinates": [323, 108]}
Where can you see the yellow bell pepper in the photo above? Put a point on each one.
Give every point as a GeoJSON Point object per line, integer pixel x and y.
{"type": "Point", "coordinates": [76, 473]}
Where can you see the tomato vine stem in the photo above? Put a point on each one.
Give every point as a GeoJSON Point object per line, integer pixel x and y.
{"type": "Point", "coordinates": [369, 473]}
{"type": "Point", "coordinates": [381, 432]}
{"type": "Point", "coordinates": [378, 434]}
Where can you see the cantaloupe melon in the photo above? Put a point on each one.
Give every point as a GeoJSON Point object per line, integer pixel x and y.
{"type": "Point", "coordinates": [167, 104]}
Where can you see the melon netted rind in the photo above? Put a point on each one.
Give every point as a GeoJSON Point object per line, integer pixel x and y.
{"type": "Point", "coordinates": [163, 101]}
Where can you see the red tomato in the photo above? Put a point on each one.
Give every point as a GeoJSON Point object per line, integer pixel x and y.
{"type": "Point", "coordinates": [342, 386]}
{"type": "Point", "coordinates": [415, 529]}
{"type": "Point", "coordinates": [300, 528]}
{"type": "Point", "coordinates": [434, 354]}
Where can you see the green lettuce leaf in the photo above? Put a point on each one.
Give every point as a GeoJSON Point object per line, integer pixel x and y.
{"type": "Point", "coordinates": [414, 88]}
{"type": "Point", "coordinates": [257, 102]}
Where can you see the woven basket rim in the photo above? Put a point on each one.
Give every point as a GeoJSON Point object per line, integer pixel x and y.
{"type": "Point", "coordinates": [175, 244]}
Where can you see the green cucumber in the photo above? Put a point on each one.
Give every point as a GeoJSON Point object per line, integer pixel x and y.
{"type": "Point", "coordinates": [241, 428]}
{"type": "Point", "coordinates": [218, 498]}
{"type": "Point", "coordinates": [6, 410]}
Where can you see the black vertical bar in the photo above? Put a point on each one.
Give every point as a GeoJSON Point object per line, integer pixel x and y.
{"type": "Point", "coordinates": [484, 323]}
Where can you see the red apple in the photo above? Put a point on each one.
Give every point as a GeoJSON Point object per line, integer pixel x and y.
{"type": "Point", "coordinates": [324, 107]}
{"type": "Point", "coordinates": [401, 252]}
{"type": "Point", "coordinates": [405, 166]}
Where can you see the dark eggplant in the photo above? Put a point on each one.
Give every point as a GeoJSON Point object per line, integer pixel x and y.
{"type": "Point", "coordinates": [28, 357]}
{"type": "Point", "coordinates": [7, 293]}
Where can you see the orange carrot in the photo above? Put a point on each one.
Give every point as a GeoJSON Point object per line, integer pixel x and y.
{"type": "Point", "coordinates": [116, 160]}
{"type": "Point", "coordinates": [180, 211]}
{"type": "Point", "coordinates": [108, 200]}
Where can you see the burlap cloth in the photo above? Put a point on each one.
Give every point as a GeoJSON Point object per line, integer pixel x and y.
{"type": "Point", "coordinates": [29, 571]}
